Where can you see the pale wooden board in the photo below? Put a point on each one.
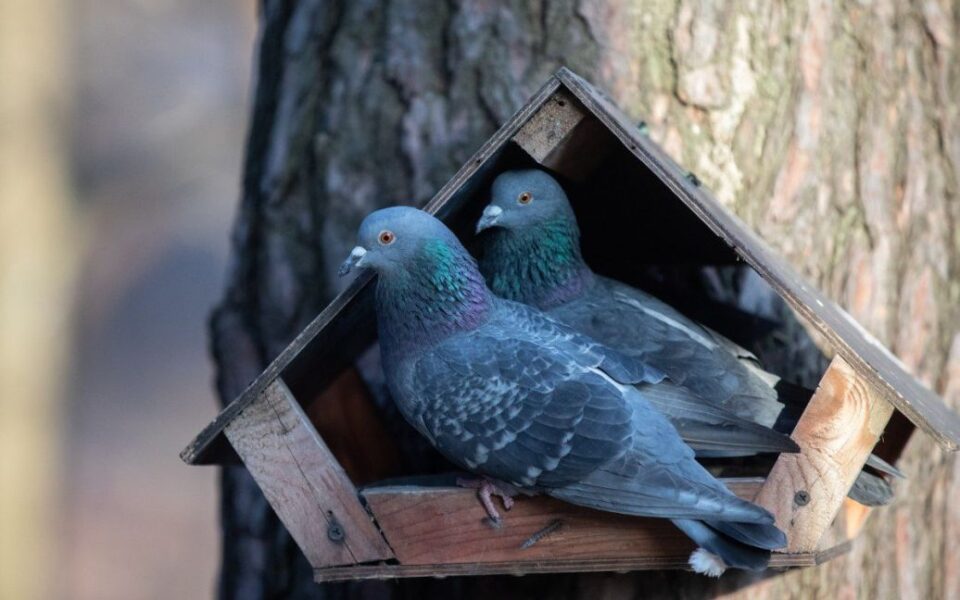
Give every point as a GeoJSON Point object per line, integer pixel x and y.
{"type": "Point", "coordinates": [550, 125]}
{"type": "Point", "coordinates": [303, 482]}
{"type": "Point", "coordinates": [561, 137]}
{"type": "Point", "coordinates": [836, 433]}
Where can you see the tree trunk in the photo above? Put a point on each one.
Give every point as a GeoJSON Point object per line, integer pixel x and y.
{"type": "Point", "coordinates": [830, 127]}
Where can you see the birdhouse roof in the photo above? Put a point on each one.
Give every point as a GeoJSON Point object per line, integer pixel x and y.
{"type": "Point", "coordinates": [345, 327]}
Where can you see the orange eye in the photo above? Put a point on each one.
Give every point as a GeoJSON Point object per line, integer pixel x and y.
{"type": "Point", "coordinates": [386, 237]}
{"type": "Point", "coordinates": [525, 198]}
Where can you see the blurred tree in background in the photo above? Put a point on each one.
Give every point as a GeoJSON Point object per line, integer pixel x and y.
{"type": "Point", "coordinates": [37, 266]}
{"type": "Point", "coordinates": [831, 127]}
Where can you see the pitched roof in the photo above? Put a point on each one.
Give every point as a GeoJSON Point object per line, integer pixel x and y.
{"type": "Point", "coordinates": [349, 315]}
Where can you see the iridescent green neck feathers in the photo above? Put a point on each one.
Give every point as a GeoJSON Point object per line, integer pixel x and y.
{"type": "Point", "coordinates": [439, 293]}
{"type": "Point", "coordinates": [539, 265]}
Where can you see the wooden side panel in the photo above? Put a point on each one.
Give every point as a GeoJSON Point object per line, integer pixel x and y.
{"type": "Point", "coordinates": [306, 486]}
{"type": "Point", "coordinates": [836, 433]}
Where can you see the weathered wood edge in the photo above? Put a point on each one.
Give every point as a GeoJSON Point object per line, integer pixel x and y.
{"type": "Point", "coordinates": [196, 451]}
{"type": "Point", "coordinates": [519, 568]}
{"type": "Point", "coordinates": [304, 483]}
{"type": "Point", "coordinates": [927, 411]}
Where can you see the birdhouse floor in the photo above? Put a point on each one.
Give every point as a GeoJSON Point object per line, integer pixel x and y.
{"type": "Point", "coordinates": [441, 531]}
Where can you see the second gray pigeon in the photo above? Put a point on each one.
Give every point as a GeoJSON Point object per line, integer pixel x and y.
{"type": "Point", "coordinates": [531, 254]}
{"type": "Point", "coordinates": [508, 393]}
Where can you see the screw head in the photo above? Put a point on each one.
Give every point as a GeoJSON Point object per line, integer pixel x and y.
{"type": "Point", "coordinates": [335, 532]}
{"type": "Point", "coordinates": [801, 498]}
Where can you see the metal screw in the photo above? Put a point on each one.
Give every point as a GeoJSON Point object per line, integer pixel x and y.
{"type": "Point", "coordinates": [692, 178]}
{"type": "Point", "coordinates": [335, 532]}
{"type": "Point", "coordinates": [643, 128]}
{"type": "Point", "coordinates": [801, 498]}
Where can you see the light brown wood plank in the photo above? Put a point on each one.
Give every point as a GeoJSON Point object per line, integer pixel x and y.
{"type": "Point", "coordinates": [303, 481]}
{"type": "Point", "coordinates": [836, 433]}
{"type": "Point", "coordinates": [550, 125]}
{"type": "Point", "coordinates": [559, 137]}
{"type": "Point", "coordinates": [447, 525]}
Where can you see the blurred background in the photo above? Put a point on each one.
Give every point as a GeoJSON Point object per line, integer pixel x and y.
{"type": "Point", "coordinates": [122, 125]}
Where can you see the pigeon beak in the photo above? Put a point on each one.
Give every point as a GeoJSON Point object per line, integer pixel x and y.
{"type": "Point", "coordinates": [489, 218]}
{"type": "Point", "coordinates": [354, 260]}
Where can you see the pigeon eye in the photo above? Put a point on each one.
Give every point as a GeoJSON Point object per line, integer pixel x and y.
{"type": "Point", "coordinates": [525, 198]}
{"type": "Point", "coordinates": [386, 237]}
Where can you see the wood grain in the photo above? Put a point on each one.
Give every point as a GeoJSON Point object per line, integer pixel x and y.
{"type": "Point", "coordinates": [836, 433]}
{"type": "Point", "coordinates": [427, 526]}
{"type": "Point", "coordinates": [550, 126]}
{"type": "Point", "coordinates": [522, 567]}
{"type": "Point", "coordinates": [303, 481]}
{"type": "Point", "coordinates": [437, 531]}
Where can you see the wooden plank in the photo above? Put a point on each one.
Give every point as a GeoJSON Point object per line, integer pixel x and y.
{"type": "Point", "coordinates": [561, 138]}
{"type": "Point", "coordinates": [518, 568]}
{"type": "Point", "coordinates": [836, 433]}
{"type": "Point", "coordinates": [303, 481]}
{"type": "Point", "coordinates": [860, 349]}
{"type": "Point", "coordinates": [440, 531]}
{"type": "Point", "coordinates": [429, 526]}
{"type": "Point", "coordinates": [550, 125]}
{"type": "Point", "coordinates": [328, 351]}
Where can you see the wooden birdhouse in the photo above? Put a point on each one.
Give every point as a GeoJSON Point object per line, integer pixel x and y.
{"type": "Point", "coordinates": [297, 449]}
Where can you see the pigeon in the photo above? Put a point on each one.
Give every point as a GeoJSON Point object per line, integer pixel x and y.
{"type": "Point", "coordinates": [530, 253]}
{"type": "Point", "coordinates": [532, 406]}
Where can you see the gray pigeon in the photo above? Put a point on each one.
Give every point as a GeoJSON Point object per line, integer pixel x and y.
{"type": "Point", "coordinates": [531, 254]}
{"type": "Point", "coordinates": [528, 404]}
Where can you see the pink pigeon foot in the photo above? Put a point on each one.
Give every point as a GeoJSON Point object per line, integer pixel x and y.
{"type": "Point", "coordinates": [486, 489]}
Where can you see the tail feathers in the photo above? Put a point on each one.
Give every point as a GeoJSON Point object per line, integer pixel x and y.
{"type": "Point", "coordinates": [732, 438]}
{"type": "Point", "coordinates": [875, 462]}
{"type": "Point", "coordinates": [707, 563]}
{"type": "Point", "coordinates": [871, 490]}
{"type": "Point", "coordinates": [768, 537]}
{"type": "Point", "coordinates": [710, 430]}
{"type": "Point", "coordinates": [717, 552]}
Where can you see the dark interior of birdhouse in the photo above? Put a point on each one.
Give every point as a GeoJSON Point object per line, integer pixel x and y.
{"type": "Point", "coordinates": [634, 228]}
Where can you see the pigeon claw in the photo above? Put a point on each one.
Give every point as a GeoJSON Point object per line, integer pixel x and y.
{"type": "Point", "coordinates": [486, 489]}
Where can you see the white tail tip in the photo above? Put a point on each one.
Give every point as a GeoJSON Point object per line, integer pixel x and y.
{"type": "Point", "coordinates": [707, 563]}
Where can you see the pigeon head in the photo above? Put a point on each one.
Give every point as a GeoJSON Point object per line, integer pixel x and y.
{"type": "Point", "coordinates": [428, 285]}
{"type": "Point", "coordinates": [394, 239]}
{"type": "Point", "coordinates": [531, 246]}
{"type": "Point", "coordinates": [525, 198]}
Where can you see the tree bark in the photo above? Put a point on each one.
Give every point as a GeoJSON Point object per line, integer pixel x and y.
{"type": "Point", "coordinates": [829, 127]}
